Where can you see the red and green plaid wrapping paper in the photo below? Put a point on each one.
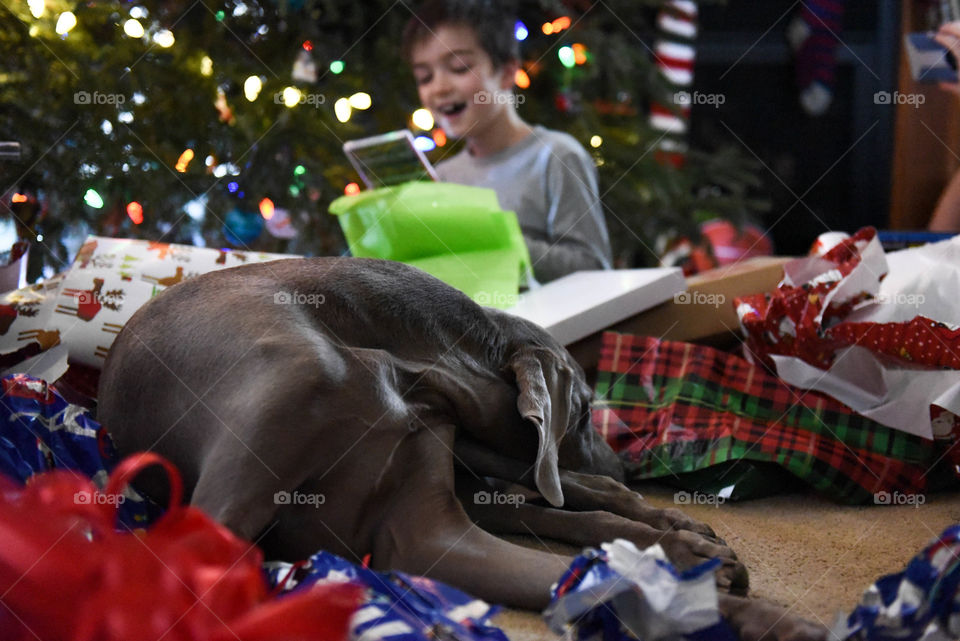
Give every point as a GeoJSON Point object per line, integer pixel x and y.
{"type": "Point", "coordinates": [670, 407]}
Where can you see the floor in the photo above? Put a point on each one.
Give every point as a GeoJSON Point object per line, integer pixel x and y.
{"type": "Point", "coordinates": [802, 550]}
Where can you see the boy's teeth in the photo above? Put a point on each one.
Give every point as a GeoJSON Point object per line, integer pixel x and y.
{"type": "Point", "coordinates": [452, 109]}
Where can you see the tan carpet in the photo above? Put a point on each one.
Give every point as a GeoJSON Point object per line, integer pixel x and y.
{"type": "Point", "coordinates": [803, 551]}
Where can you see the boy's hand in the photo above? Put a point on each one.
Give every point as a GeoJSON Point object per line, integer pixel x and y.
{"type": "Point", "coordinates": [949, 36]}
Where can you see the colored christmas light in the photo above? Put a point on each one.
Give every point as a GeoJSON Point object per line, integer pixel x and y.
{"type": "Point", "coordinates": [206, 66]}
{"type": "Point", "coordinates": [579, 53]}
{"type": "Point", "coordinates": [66, 22]}
{"type": "Point", "coordinates": [520, 31]}
{"type": "Point", "coordinates": [135, 212]}
{"type": "Point", "coordinates": [184, 160]}
{"type": "Point", "coordinates": [307, 45]}
{"type": "Point", "coordinates": [133, 28]}
{"type": "Point", "coordinates": [19, 198]}
{"type": "Point", "coordinates": [291, 97]}
{"type": "Point", "coordinates": [299, 170]}
{"type": "Point", "coordinates": [336, 67]}
{"type": "Point", "coordinates": [232, 186]}
{"type": "Point", "coordinates": [93, 199]}
{"type": "Point", "coordinates": [164, 38]}
{"type": "Point", "coordinates": [352, 189]}
{"type": "Point", "coordinates": [522, 79]}
{"type": "Point", "coordinates": [567, 57]}
{"type": "Point", "coordinates": [251, 87]}
{"type": "Point", "coordinates": [342, 109]}
{"type": "Point", "coordinates": [266, 208]}
{"type": "Point", "coordinates": [361, 100]}
{"type": "Point", "coordinates": [423, 119]}
{"type": "Point", "coordinates": [424, 143]}
{"type": "Point", "coordinates": [440, 137]}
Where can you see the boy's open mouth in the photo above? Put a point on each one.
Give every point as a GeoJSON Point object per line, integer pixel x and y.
{"type": "Point", "coordinates": [452, 109]}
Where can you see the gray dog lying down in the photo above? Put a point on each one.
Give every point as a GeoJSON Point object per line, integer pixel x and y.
{"type": "Point", "coordinates": [390, 394]}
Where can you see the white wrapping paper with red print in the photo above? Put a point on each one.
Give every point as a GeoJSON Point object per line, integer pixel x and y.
{"type": "Point", "coordinates": [85, 308]}
{"type": "Point", "coordinates": [877, 332]}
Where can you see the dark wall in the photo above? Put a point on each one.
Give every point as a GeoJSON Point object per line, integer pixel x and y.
{"type": "Point", "coordinates": [830, 172]}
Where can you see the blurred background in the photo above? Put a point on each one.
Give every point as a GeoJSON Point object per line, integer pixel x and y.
{"type": "Point", "coordinates": [220, 122]}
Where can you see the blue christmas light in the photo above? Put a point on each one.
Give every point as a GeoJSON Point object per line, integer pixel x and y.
{"type": "Point", "coordinates": [424, 143]}
{"type": "Point", "coordinates": [232, 186]}
{"type": "Point", "coordinates": [520, 31]}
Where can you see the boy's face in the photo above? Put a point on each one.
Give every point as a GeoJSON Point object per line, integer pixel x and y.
{"type": "Point", "coordinates": [457, 82]}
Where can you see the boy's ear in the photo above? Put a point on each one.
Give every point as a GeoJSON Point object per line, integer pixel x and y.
{"type": "Point", "coordinates": [508, 74]}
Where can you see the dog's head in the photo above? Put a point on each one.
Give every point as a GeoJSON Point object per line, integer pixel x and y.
{"type": "Point", "coordinates": [554, 396]}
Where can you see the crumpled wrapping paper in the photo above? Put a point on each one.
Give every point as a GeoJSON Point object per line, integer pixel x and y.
{"type": "Point", "coordinates": [921, 602]}
{"type": "Point", "coordinates": [623, 593]}
{"type": "Point", "coordinates": [877, 332]}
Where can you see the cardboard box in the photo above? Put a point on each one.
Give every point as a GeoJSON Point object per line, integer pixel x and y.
{"type": "Point", "coordinates": [703, 314]}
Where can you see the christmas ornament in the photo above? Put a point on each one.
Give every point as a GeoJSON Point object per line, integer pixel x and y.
{"type": "Point", "coordinates": [279, 225]}
{"type": "Point", "coordinates": [241, 228]}
{"type": "Point", "coordinates": [304, 68]}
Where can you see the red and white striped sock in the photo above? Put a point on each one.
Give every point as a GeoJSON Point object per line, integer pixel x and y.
{"type": "Point", "coordinates": [675, 55]}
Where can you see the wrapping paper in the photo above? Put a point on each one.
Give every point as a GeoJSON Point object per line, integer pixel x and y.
{"type": "Point", "coordinates": [877, 332]}
{"type": "Point", "coordinates": [395, 606]}
{"type": "Point", "coordinates": [624, 594]}
{"type": "Point", "coordinates": [40, 434]}
{"type": "Point", "coordinates": [921, 602]}
{"type": "Point", "coordinates": [670, 408]}
{"type": "Point", "coordinates": [86, 307]}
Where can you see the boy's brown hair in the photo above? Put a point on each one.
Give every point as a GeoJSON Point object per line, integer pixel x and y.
{"type": "Point", "coordinates": [492, 21]}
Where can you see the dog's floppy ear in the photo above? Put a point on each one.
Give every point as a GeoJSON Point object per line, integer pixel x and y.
{"type": "Point", "coordinates": [544, 399]}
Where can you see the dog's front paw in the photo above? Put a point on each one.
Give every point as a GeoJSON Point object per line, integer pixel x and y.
{"type": "Point", "coordinates": [759, 620]}
{"type": "Point", "coordinates": [673, 519]}
{"type": "Point", "coordinates": [687, 549]}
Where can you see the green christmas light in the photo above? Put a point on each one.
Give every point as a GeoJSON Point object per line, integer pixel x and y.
{"type": "Point", "coordinates": [294, 190]}
{"type": "Point", "coordinates": [93, 199]}
{"type": "Point", "coordinates": [220, 15]}
{"type": "Point", "coordinates": [336, 66]}
{"type": "Point", "coordinates": [567, 57]}
{"type": "Point", "coordinates": [299, 170]}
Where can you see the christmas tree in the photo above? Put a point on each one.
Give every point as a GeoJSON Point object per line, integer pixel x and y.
{"type": "Point", "coordinates": [205, 121]}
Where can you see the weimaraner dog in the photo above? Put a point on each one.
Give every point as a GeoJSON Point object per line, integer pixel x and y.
{"type": "Point", "coordinates": [359, 406]}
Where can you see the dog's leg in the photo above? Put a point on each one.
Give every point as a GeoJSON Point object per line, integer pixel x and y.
{"type": "Point", "coordinates": [422, 529]}
{"type": "Point", "coordinates": [581, 491]}
{"type": "Point", "coordinates": [754, 619]}
{"type": "Point", "coordinates": [242, 501]}
{"type": "Point", "coordinates": [591, 528]}
{"type": "Point", "coordinates": [760, 620]}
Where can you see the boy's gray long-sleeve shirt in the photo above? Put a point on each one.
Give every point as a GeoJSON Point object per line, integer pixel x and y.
{"type": "Point", "coordinates": [550, 181]}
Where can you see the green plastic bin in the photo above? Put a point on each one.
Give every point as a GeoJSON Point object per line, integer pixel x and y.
{"type": "Point", "coordinates": [454, 232]}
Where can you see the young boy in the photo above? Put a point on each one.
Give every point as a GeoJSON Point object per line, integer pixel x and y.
{"type": "Point", "coordinates": [465, 57]}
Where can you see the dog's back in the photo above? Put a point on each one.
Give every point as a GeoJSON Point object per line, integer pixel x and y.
{"type": "Point", "coordinates": [255, 361]}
